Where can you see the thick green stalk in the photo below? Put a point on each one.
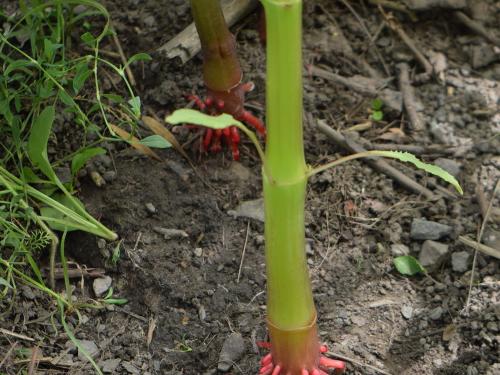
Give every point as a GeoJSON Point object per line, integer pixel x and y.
{"type": "Point", "coordinates": [290, 301]}
{"type": "Point", "coordinates": [221, 68]}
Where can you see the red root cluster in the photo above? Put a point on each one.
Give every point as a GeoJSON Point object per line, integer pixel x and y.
{"type": "Point", "coordinates": [268, 367]}
{"type": "Point", "coordinates": [230, 102]}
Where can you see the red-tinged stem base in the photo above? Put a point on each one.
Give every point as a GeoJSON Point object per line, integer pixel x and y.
{"type": "Point", "coordinates": [230, 102]}
{"type": "Point", "coordinates": [297, 352]}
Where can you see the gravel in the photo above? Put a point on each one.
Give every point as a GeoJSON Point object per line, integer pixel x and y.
{"type": "Point", "coordinates": [422, 229]}
{"type": "Point", "coordinates": [232, 349]}
{"type": "Point", "coordinates": [433, 254]}
{"type": "Point", "coordinates": [460, 261]}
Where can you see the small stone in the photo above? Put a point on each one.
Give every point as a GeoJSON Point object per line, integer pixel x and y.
{"type": "Point", "coordinates": [101, 285]}
{"type": "Point", "coordinates": [460, 261]}
{"type": "Point", "coordinates": [358, 320]}
{"type": "Point", "coordinates": [239, 171]}
{"type": "Point", "coordinates": [492, 326]}
{"type": "Point", "coordinates": [109, 366]}
{"type": "Point", "coordinates": [407, 312]}
{"type": "Point", "coordinates": [89, 347]}
{"type": "Point", "coordinates": [130, 368]}
{"type": "Point", "coordinates": [150, 208]}
{"type": "Point", "coordinates": [198, 251]}
{"type": "Point", "coordinates": [169, 233]}
{"type": "Point", "coordinates": [491, 238]}
{"type": "Point", "coordinates": [449, 165]}
{"type": "Point", "coordinates": [202, 313]}
{"type": "Point", "coordinates": [437, 313]}
{"type": "Point", "coordinates": [398, 249]}
{"type": "Point", "coordinates": [28, 292]}
{"type": "Point", "coordinates": [233, 348]}
{"type": "Point", "coordinates": [432, 255]}
{"type": "Point", "coordinates": [483, 55]}
{"type": "Point", "coordinates": [149, 22]}
{"type": "Point", "coordinates": [422, 229]}
{"type": "Point", "coordinates": [250, 209]}
{"type": "Point", "coordinates": [109, 176]}
{"type": "Point", "coordinates": [101, 243]}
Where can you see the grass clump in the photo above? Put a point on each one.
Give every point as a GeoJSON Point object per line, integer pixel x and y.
{"type": "Point", "coordinates": [55, 113]}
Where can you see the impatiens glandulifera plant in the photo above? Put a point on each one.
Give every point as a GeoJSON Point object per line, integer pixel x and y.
{"type": "Point", "coordinates": [291, 313]}
{"type": "Point", "coordinates": [222, 76]}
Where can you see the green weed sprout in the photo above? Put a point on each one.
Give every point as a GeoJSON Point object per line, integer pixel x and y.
{"type": "Point", "coordinates": [222, 76]}
{"type": "Point", "coordinates": [291, 313]}
{"type": "Point", "coordinates": [41, 79]}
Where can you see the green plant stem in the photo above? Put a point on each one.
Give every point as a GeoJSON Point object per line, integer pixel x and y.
{"type": "Point", "coordinates": [359, 155]}
{"type": "Point", "coordinates": [221, 68]}
{"type": "Point", "coordinates": [290, 301]}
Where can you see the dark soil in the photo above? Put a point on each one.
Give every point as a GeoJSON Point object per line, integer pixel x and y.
{"type": "Point", "coordinates": [186, 294]}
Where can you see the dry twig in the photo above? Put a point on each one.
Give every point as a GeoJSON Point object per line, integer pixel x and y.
{"type": "Point", "coordinates": [477, 28]}
{"type": "Point", "coordinates": [398, 29]}
{"type": "Point", "coordinates": [243, 253]}
{"type": "Point", "coordinates": [480, 247]}
{"type": "Point", "coordinates": [409, 99]}
{"type": "Point", "coordinates": [363, 85]}
{"type": "Point", "coordinates": [119, 48]}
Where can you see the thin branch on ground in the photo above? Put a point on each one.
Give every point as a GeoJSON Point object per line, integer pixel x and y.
{"type": "Point", "coordinates": [398, 29]}
{"type": "Point", "coordinates": [409, 98]}
{"type": "Point", "coordinates": [478, 246]}
{"type": "Point", "coordinates": [16, 335]}
{"type": "Point", "coordinates": [363, 85]}
{"type": "Point", "coordinates": [477, 28]}
{"type": "Point", "coordinates": [243, 253]}
{"type": "Point", "coordinates": [375, 50]}
{"type": "Point", "coordinates": [123, 58]}
{"type": "Point", "coordinates": [347, 50]}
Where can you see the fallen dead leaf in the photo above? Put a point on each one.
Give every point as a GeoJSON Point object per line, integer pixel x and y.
{"type": "Point", "coordinates": [158, 128]}
{"type": "Point", "coordinates": [135, 142]}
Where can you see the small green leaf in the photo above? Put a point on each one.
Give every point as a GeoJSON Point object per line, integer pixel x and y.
{"type": "Point", "coordinates": [138, 57]}
{"type": "Point", "coordinates": [155, 141]}
{"type": "Point", "coordinates": [109, 293]}
{"type": "Point", "coordinates": [81, 75]}
{"type": "Point", "coordinates": [408, 265]}
{"type": "Point", "coordinates": [49, 48]}
{"type": "Point", "coordinates": [430, 168]}
{"type": "Point", "coordinates": [56, 219]}
{"type": "Point", "coordinates": [65, 98]}
{"type": "Point", "coordinates": [83, 156]}
{"type": "Point", "coordinates": [377, 104]}
{"type": "Point", "coordinates": [113, 97]}
{"type": "Point", "coordinates": [88, 39]}
{"type": "Point", "coordinates": [5, 283]}
{"type": "Point", "coordinates": [30, 177]}
{"type": "Point", "coordinates": [135, 104]}
{"type": "Point", "coordinates": [195, 117]}
{"type": "Point", "coordinates": [377, 115]}
{"type": "Point", "coordinates": [18, 64]}
{"type": "Point", "coordinates": [38, 139]}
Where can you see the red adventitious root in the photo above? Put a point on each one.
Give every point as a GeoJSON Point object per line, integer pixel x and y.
{"type": "Point", "coordinates": [325, 364]}
{"type": "Point", "coordinates": [230, 102]}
